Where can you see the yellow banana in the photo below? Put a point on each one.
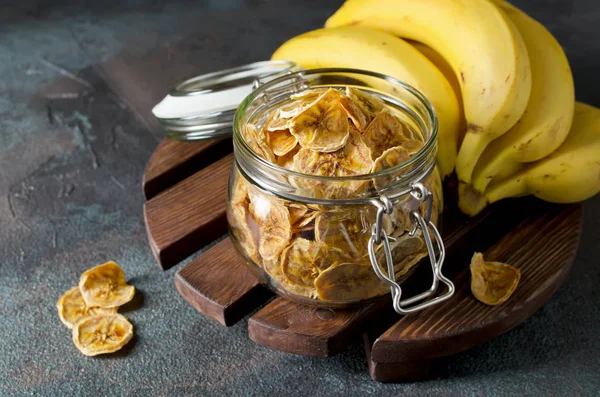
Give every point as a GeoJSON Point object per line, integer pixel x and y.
{"type": "Point", "coordinates": [569, 174]}
{"type": "Point", "coordinates": [549, 113]}
{"type": "Point", "coordinates": [448, 73]}
{"type": "Point", "coordinates": [483, 47]}
{"type": "Point", "coordinates": [363, 48]}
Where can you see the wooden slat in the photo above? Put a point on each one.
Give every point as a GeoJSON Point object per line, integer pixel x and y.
{"type": "Point", "coordinates": [184, 218]}
{"type": "Point", "coordinates": [219, 285]}
{"type": "Point", "coordinates": [173, 161]}
{"type": "Point", "coordinates": [543, 247]}
{"type": "Point", "coordinates": [294, 328]}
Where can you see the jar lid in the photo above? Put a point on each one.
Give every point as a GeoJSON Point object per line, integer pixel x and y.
{"type": "Point", "coordinates": [203, 107]}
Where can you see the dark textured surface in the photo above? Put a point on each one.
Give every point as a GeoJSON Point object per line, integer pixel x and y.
{"type": "Point", "coordinates": [71, 161]}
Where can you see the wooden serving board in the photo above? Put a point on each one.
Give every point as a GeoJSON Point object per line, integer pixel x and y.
{"type": "Point", "coordinates": [186, 186]}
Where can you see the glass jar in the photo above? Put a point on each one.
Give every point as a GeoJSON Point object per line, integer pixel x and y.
{"type": "Point", "coordinates": [338, 242]}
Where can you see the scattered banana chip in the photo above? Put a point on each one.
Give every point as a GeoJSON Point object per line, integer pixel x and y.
{"type": "Point", "coordinates": [105, 286]}
{"type": "Point", "coordinates": [349, 282]}
{"type": "Point", "coordinates": [384, 132]}
{"type": "Point", "coordinates": [102, 334]}
{"type": "Point", "coordinates": [72, 308]}
{"type": "Point", "coordinates": [323, 126]}
{"type": "Point", "coordinates": [281, 142]}
{"type": "Point", "coordinates": [492, 282]}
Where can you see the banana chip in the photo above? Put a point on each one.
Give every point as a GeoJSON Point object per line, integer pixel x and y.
{"type": "Point", "coordinates": [349, 282]}
{"type": "Point", "coordinates": [300, 262]}
{"type": "Point", "coordinates": [347, 231]}
{"type": "Point", "coordinates": [361, 107]}
{"type": "Point", "coordinates": [302, 100]}
{"type": "Point", "coordinates": [412, 146]}
{"type": "Point", "coordinates": [241, 224]}
{"type": "Point", "coordinates": [239, 192]}
{"type": "Point", "coordinates": [384, 132]}
{"type": "Point", "coordinates": [72, 308]}
{"type": "Point", "coordinates": [273, 220]}
{"type": "Point", "coordinates": [323, 126]}
{"type": "Point", "coordinates": [407, 251]}
{"type": "Point", "coordinates": [257, 141]}
{"type": "Point", "coordinates": [287, 161]}
{"type": "Point", "coordinates": [102, 334]}
{"type": "Point", "coordinates": [492, 282]}
{"type": "Point", "coordinates": [353, 159]}
{"type": "Point", "coordinates": [273, 269]}
{"type": "Point", "coordinates": [281, 142]}
{"type": "Point", "coordinates": [105, 286]}
{"type": "Point", "coordinates": [388, 159]}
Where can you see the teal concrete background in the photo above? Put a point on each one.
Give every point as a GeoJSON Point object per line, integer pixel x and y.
{"type": "Point", "coordinates": [72, 155]}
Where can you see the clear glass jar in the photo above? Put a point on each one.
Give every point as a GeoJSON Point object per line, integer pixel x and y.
{"type": "Point", "coordinates": [308, 237]}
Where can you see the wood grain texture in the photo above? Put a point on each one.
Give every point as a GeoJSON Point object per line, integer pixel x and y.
{"type": "Point", "coordinates": [219, 285]}
{"type": "Point", "coordinates": [543, 247]}
{"type": "Point", "coordinates": [182, 219]}
{"type": "Point", "coordinates": [173, 161]}
{"type": "Point", "coordinates": [310, 331]}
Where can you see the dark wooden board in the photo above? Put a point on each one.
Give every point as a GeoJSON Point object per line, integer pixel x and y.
{"type": "Point", "coordinates": [219, 285]}
{"type": "Point", "coordinates": [190, 212]}
{"type": "Point", "coordinates": [189, 215]}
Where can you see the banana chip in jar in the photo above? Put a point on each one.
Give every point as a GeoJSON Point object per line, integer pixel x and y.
{"type": "Point", "coordinates": [361, 107]}
{"type": "Point", "coordinates": [105, 286]}
{"type": "Point", "coordinates": [301, 101]}
{"type": "Point", "coordinates": [412, 146]}
{"type": "Point", "coordinates": [72, 308]}
{"type": "Point", "coordinates": [349, 282]}
{"type": "Point", "coordinates": [388, 159]}
{"type": "Point", "coordinates": [273, 220]}
{"type": "Point", "coordinates": [492, 283]}
{"type": "Point", "coordinates": [301, 262]}
{"type": "Point", "coordinates": [347, 231]}
{"type": "Point", "coordinates": [322, 126]}
{"type": "Point", "coordinates": [273, 269]}
{"type": "Point", "coordinates": [241, 224]}
{"type": "Point", "coordinates": [407, 251]}
{"type": "Point", "coordinates": [384, 132]}
{"type": "Point", "coordinates": [281, 142]}
{"type": "Point", "coordinates": [353, 159]}
{"type": "Point", "coordinates": [287, 161]}
{"type": "Point", "coordinates": [257, 140]}
{"type": "Point", "coordinates": [102, 334]}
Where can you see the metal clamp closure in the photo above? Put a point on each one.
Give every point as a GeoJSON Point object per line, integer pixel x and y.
{"type": "Point", "coordinates": [378, 235]}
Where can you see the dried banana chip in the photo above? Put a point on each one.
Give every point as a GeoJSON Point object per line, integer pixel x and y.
{"type": "Point", "coordinates": [273, 220]}
{"type": "Point", "coordinates": [277, 124]}
{"type": "Point", "coordinates": [361, 107]}
{"type": "Point", "coordinates": [492, 282]}
{"type": "Point", "coordinates": [257, 141]}
{"type": "Point", "coordinates": [407, 251]}
{"type": "Point", "coordinates": [323, 126]}
{"type": "Point", "coordinates": [353, 159]}
{"type": "Point", "coordinates": [300, 262]}
{"type": "Point", "coordinates": [245, 230]}
{"type": "Point", "coordinates": [389, 159]}
{"type": "Point", "coordinates": [273, 269]}
{"type": "Point", "coordinates": [384, 132]}
{"type": "Point", "coordinates": [347, 231]}
{"type": "Point", "coordinates": [412, 146]}
{"type": "Point", "coordinates": [102, 334]}
{"type": "Point", "coordinates": [281, 142]}
{"type": "Point", "coordinates": [239, 191]}
{"type": "Point", "coordinates": [349, 282]}
{"type": "Point", "coordinates": [287, 161]}
{"type": "Point", "coordinates": [105, 286]}
{"type": "Point", "coordinates": [72, 308]}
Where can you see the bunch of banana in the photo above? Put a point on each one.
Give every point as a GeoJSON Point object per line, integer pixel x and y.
{"type": "Point", "coordinates": [499, 81]}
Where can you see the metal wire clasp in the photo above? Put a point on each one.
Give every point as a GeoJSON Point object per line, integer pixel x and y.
{"type": "Point", "coordinates": [384, 205]}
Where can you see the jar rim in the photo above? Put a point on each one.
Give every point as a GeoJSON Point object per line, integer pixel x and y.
{"type": "Point", "coordinates": [418, 157]}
